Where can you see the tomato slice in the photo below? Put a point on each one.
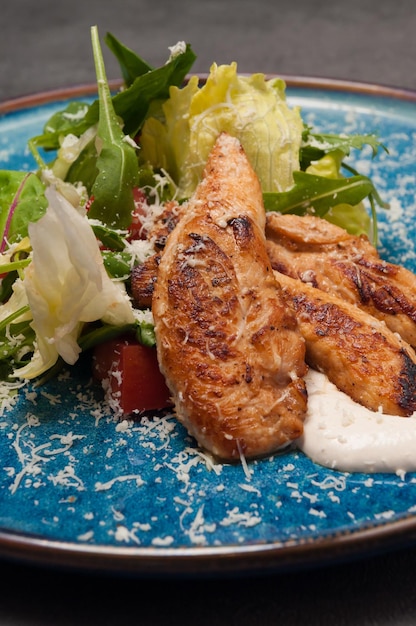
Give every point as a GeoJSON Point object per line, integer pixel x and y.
{"type": "Point", "coordinates": [130, 374]}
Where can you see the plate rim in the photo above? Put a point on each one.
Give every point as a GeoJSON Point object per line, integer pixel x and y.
{"type": "Point", "coordinates": [291, 80]}
{"type": "Point", "coordinates": [260, 558]}
{"type": "Point", "coordinates": [218, 561]}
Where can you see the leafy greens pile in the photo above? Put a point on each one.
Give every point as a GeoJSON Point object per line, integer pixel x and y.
{"type": "Point", "coordinates": [74, 213]}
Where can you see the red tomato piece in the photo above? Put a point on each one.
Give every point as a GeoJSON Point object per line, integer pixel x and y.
{"type": "Point", "coordinates": [130, 372]}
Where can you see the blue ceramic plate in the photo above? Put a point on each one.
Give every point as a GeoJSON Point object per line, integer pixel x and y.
{"type": "Point", "coordinates": [78, 489]}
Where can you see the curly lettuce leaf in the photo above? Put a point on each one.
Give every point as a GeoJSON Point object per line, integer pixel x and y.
{"type": "Point", "coordinates": [78, 291]}
{"type": "Point", "coordinates": [250, 108]}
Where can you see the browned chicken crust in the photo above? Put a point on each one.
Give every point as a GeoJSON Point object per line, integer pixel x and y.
{"type": "Point", "coordinates": [326, 256]}
{"type": "Point", "coordinates": [143, 276]}
{"type": "Point", "coordinates": [165, 223]}
{"type": "Point", "coordinates": [143, 279]}
{"type": "Point", "coordinates": [227, 342]}
{"type": "Point", "coordinates": [357, 352]}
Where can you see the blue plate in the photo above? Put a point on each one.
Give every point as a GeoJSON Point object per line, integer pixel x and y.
{"type": "Point", "coordinates": [79, 489]}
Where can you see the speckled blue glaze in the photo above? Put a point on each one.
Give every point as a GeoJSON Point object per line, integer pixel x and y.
{"type": "Point", "coordinates": [69, 472]}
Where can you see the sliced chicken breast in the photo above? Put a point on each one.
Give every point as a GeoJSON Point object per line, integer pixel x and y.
{"type": "Point", "coordinates": [228, 343]}
{"type": "Point", "coordinates": [328, 257]}
{"type": "Point", "coordinates": [357, 352]}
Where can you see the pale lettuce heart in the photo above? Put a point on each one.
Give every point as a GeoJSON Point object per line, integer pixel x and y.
{"type": "Point", "coordinates": [67, 285]}
{"type": "Point", "coordinates": [251, 108]}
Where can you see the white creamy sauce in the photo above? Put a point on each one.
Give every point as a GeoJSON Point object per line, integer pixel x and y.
{"type": "Point", "coordinates": [343, 435]}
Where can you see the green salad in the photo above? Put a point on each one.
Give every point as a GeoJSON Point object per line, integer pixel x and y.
{"type": "Point", "coordinates": [67, 243]}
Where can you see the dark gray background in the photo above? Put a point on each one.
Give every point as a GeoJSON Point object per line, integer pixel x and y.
{"type": "Point", "coordinates": [44, 45]}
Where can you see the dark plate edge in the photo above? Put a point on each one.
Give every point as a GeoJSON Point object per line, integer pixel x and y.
{"type": "Point", "coordinates": [253, 559]}
{"type": "Point", "coordinates": [311, 82]}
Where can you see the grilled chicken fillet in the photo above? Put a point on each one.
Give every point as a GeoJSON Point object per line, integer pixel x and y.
{"type": "Point", "coordinates": [326, 256]}
{"type": "Point", "coordinates": [227, 343]}
{"type": "Point", "coordinates": [357, 352]}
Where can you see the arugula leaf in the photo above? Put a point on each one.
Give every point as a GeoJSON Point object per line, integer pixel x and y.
{"type": "Point", "coordinates": [318, 193]}
{"type": "Point", "coordinates": [316, 145]}
{"type": "Point", "coordinates": [84, 168]}
{"type": "Point", "coordinates": [145, 86]}
{"type": "Point", "coordinates": [143, 331]}
{"type": "Point", "coordinates": [22, 200]}
{"type": "Point", "coordinates": [132, 104]}
{"type": "Point", "coordinates": [117, 166]}
{"type": "Point", "coordinates": [117, 264]}
{"type": "Point", "coordinates": [96, 335]}
{"type": "Point", "coordinates": [145, 334]}
{"type": "Point", "coordinates": [63, 121]}
{"type": "Point", "coordinates": [131, 64]}
{"type": "Point", "coordinates": [68, 120]}
{"type": "Point", "coordinates": [110, 239]}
